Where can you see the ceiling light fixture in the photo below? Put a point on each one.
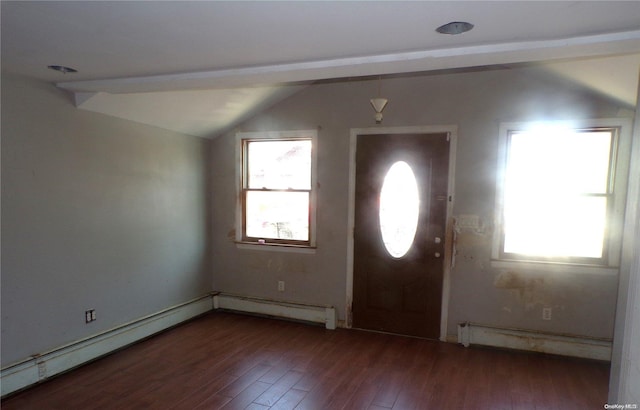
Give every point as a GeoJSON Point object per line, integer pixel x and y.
{"type": "Point", "coordinates": [62, 69]}
{"type": "Point", "coordinates": [455, 27]}
{"type": "Point", "coordinates": [378, 104]}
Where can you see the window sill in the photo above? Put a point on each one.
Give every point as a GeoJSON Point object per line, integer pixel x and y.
{"type": "Point", "coordinates": [554, 267]}
{"type": "Point", "coordinates": [276, 247]}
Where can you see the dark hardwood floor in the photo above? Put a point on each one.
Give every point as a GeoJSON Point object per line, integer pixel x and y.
{"type": "Point", "coordinates": [229, 361]}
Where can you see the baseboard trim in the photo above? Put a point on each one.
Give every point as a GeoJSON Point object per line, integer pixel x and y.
{"type": "Point", "coordinates": [588, 348]}
{"type": "Point", "coordinates": [287, 310]}
{"type": "Point", "coordinates": [45, 365]}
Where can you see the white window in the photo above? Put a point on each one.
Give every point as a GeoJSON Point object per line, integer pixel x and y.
{"type": "Point", "coordinates": [560, 197]}
{"type": "Point", "coordinates": [277, 197]}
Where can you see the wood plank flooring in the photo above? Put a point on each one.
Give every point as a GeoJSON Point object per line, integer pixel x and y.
{"type": "Point", "coordinates": [229, 361]}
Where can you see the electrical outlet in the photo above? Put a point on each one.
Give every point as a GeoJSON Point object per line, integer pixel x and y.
{"type": "Point", "coordinates": [546, 313]}
{"type": "Point", "coordinates": [280, 286]}
{"type": "Point", "coordinates": [89, 315]}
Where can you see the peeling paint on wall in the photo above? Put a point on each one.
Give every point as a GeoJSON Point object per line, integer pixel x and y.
{"type": "Point", "coordinates": [469, 223]}
{"type": "Point", "coordinates": [468, 240]}
{"type": "Point", "coordinates": [276, 263]}
{"type": "Point", "coordinates": [527, 291]}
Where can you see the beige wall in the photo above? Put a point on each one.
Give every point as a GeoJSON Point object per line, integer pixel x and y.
{"type": "Point", "coordinates": [112, 215]}
{"type": "Point", "coordinates": [584, 303]}
{"type": "Point", "coordinates": [97, 213]}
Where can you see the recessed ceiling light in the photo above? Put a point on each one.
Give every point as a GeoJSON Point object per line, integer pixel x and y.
{"type": "Point", "coordinates": [455, 27]}
{"type": "Point", "coordinates": [62, 69]}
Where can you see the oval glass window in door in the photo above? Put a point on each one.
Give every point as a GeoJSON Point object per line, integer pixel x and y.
{"type": "Point", "coordinates": [399, 209]}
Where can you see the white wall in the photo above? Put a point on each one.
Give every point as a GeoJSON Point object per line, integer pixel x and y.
{"type": "Point", "coordinates": [631, 392]}
{"type": "Point", "coordinates": [631, 388]}
{"type": "Point", "coordinates": [475, 101]}
{"type": "Point", "coordinates": [624, 385]}
{"type": "Point", "coordinates": [97, 213]}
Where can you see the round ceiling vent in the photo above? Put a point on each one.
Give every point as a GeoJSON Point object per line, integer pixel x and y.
{"type": "Point", "coordinates": [62, 69]}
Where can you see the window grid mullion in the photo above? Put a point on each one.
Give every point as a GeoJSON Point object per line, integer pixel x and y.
{"type": "Point", "coordinates": [607, 194]}
{"type": "Point", "coordinates": [276, 190]}
{"type": "Point", "coordinates": [246, 189]}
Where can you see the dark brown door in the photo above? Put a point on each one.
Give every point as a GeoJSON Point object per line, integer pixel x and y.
{"type": "Point", "coordinates": [400, 290]}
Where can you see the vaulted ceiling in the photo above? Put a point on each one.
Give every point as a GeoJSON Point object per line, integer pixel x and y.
{"type": "Point", "coordinates": [201, 67]}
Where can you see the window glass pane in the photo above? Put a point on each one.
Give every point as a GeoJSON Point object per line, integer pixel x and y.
{"type": "Point", "coordinates": [555, 227]}
{"type": "Point", "coordinates": [277, 215]}
{"type": "Point", "coordinates": [399, 209]}
{"type": "Point", "coordinates": [279, 164]}
{"type": "Point", "coordinates": [559, 161]}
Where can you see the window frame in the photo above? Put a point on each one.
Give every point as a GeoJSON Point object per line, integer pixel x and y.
{"type": "Point", "coordinates": [246, 242]}
{"type": "Point", "coordinates": [616, 196]}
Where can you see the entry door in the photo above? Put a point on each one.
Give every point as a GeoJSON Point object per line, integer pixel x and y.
{"type": "Point", "coordinates": [400, 218]}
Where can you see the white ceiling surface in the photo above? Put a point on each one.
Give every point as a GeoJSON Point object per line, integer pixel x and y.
{"type": "Point", "coordinates": [201, 67]}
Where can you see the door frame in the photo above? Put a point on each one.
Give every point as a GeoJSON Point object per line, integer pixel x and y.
{"type": "Point", "coordinates": [448, 242]}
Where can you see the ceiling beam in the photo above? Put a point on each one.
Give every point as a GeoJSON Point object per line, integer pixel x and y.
{"type": "Point", "coordinates": [402, 62]}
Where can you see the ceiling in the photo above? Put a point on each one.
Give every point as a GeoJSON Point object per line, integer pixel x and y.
{"type": "Point", "coordinates": [201, 67]}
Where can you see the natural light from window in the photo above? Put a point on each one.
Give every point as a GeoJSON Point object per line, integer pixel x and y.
{"type": "Point", "coordinates": [399, 209]}
{"type": "Point", "coordinates": [277, 192]}
{"type": "Point", "coordinates": [557, 188]}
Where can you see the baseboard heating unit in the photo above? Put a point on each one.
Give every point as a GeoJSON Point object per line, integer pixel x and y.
{"type": "Point", "coordinates": [298, 311]}
{"type": "Point", "coordinates": [564, 345]}
{"type": "Point", "coordinates": [45, 365]}
{"type": "Point", "coordinates": [42, 366]}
